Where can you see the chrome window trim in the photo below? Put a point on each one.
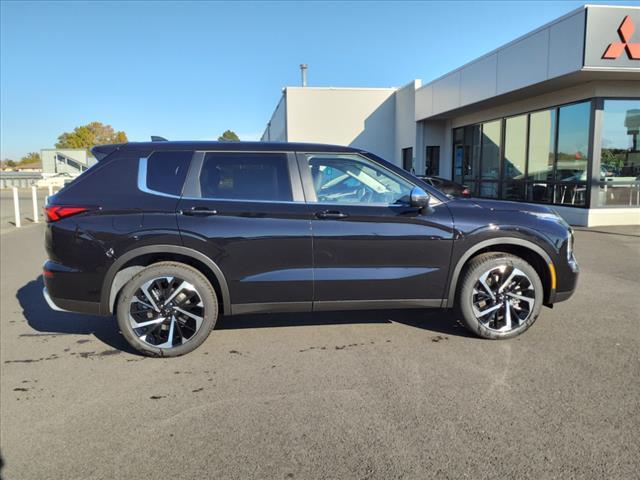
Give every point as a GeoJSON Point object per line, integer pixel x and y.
{"type": "Point", "coordinates": [243, 201]}
{"type": "Point", "coordinates": [142, 183]}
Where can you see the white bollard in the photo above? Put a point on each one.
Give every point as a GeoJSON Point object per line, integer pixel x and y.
{"type": "Point", "coordinates": [34, 198]}
{"type": "Point", "coordinates": [50, 189]}
{"type": "Point", "coordinates": [16, 206]}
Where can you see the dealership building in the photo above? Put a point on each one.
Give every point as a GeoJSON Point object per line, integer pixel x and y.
{"type": "Point", "coordinates": [552, 117]}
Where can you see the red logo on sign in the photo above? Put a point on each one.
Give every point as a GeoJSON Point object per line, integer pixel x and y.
{"type": "Point", "coordinates": [625, 30]}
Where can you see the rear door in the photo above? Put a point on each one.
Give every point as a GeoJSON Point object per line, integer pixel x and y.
{"type": "Point", "coordinates": [371, 248]}
{"type": "Point", "coordinates": [246, 211]}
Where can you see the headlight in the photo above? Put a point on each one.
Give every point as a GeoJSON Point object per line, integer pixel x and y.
{"type": "Point", "coordinates": [570, 240]}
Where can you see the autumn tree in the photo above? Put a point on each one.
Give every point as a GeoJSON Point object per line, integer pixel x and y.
{"type": "Point", "coordinates": [30, 159]}
{"type": "Point", "coordinates": [90, 135]}
{"type": "Point", "coordinates": [229, 136]}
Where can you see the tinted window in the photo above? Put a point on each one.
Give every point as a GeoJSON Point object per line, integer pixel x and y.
{"type": "Point", "coordinates": [355, 179]}
{"type": "Point", "coordinates": [246, 176]}
{"type": "Point", "coordinates": [490, 150]}
{"type": "Point", "coordinates": [573, 142]}
{"type": "Point", "coordinates": [166, 171]}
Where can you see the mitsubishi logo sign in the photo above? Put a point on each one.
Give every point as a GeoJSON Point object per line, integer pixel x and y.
{"type": "Point", "coordinates": [615, 49]}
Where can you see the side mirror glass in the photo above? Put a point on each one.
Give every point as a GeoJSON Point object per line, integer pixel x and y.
{"type": "Point", "coordinates": [419, 198]}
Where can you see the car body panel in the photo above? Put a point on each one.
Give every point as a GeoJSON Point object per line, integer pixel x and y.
{"type": "Point", "coordinates": [278, 256]}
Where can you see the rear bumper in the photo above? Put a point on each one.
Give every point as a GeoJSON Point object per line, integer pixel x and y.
{"type": "Point", "coordinates": [65, 305]}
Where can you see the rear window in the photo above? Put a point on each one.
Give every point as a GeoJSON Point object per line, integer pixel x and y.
{"type": "Point", "coordinates": [245, 176]}
{"type": "Point", "coordinates": [166, 171]}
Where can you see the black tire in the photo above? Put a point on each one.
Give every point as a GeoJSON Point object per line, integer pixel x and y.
{"type": "Point", "coordinates": [203, 292]}
{"type": "Point", "coordinates": [472, 304]}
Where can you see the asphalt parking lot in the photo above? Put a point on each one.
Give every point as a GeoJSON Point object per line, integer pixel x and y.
{"type": "Point", "coordinates": [7, 215]}
{"type": "Point", "coordinates": [405, 394]}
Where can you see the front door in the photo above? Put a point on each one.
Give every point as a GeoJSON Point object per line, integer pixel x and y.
{"type": "Point", "coordinates": [246, 212]}
{"type": "Point", "coordinates": [369, 246]}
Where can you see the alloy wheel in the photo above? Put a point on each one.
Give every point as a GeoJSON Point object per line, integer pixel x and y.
{"type": "Point", "coordinates": [503, 298]}
{"type": "Point", "coordinates": [166, 312]}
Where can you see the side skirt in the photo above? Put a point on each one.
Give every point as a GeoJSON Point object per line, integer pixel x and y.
{"type": "Point", "coordinates": [336, 305]}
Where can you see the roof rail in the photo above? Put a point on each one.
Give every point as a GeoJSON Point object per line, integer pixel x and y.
{"type": "Point", "coordinates": [155, 138]}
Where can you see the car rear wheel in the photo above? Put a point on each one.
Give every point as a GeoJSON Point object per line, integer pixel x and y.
{"type": "Point", "coordinates": [500, 296]}
{"type": "Point", "coordinates": [167, 309]}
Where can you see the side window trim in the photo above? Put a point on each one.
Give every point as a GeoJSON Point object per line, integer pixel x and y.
{"type": "Point", "coordinates": [305, 176]}
{"type": "Point", "coordinates": [192, 183]}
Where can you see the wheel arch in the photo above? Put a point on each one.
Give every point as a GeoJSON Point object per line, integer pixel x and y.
{"type": "Point", "coordinates": [133, 261]}
{"type": "Point", "coordinates": [529, 251]}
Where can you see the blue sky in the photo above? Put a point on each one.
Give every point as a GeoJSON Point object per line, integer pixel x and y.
{"type": "Point", "coordinates": [190, 70]}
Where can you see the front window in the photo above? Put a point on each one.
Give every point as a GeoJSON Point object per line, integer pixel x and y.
{"type": "Point", "coordinates": [620, 154]}
{"type": "Point", "coordinates": [353, 179]}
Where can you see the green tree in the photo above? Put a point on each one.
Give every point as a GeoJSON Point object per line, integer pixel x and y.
{"type": "Point", "coordinates": [29, 158]}
{"type": "Point", "coordinates": [229, 136]}
{"type": "Point", "coordinates": [90, 135]}
{"type": "Point", "coordinates": [10, 163]}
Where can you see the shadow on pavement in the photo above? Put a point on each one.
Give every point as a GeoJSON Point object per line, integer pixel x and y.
{"type": "Point", "coordinates": [436, 320]}
{"type": "Point", "coordinates": [43, 319]}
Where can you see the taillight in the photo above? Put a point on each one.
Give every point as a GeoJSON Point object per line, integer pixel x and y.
{"type": "Point", "coordinates": [58, 212]}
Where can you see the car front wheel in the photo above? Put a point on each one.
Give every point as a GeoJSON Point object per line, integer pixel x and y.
{"type": "Point", "coordinates": [167, 309]}
{"type": "Point", "coordinates": [501, 295]}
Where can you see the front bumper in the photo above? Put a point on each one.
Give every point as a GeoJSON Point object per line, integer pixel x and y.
{"type": "Point", "coordinates": [568, 282]}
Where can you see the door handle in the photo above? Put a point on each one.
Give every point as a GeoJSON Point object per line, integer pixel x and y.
{"type": "Point", "coordinates": [331, 215]}
{"type": "Point", "coordinates": [199, 212]}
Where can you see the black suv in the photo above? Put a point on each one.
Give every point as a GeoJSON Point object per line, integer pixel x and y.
{"type": "Point", "coordinates": [171, 235]}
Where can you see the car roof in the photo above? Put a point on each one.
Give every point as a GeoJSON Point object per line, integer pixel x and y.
{"type": "Point", "coordinates": [101, 151]}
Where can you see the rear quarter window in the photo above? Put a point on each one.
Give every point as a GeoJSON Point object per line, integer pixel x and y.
{"type": "Point", "coordinates": [166, 171]}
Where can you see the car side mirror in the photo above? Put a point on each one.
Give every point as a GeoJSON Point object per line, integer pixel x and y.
{"type": "Point", "coordinates": [419, 198]}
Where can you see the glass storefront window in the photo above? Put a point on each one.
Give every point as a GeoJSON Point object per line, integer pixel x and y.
{"type": "Point", "coordinates": [515, 147]}
{"type": "Point", "coordinates": [466, 155]}
{"type": "Point", "coordinates": [544, 158]}
{"type": "Point", "coordinates": [490, 150]}
{"type": "Point", "coordinates": [620, 155]}
{"type": "Point", "coordinates": [572, 154]}
{"type": "Point", "coordinates": [573, 142]}
{"type": "Point", "coordinates": [542, 127]}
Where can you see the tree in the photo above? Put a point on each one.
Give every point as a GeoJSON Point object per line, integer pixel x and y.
{"type": "Point", "coordinates": [30, 158]}
{"type": "Point", "coordinates": [90, 135]}
{"type": "Point", "coordinates": [10, 163]}
{"type": "Point", "coordinates": [229, 136]}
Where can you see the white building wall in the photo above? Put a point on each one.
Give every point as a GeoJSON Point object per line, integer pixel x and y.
{"type": "Point", "coordinates": [356, 117]}
{"type": "Point", "coordinates": [276, 130]}
{"type": "Point", "coordinates": [49, 164]}
{"type": "Point", "coordinates": [436, 133]}
{"type": "Point", "coordinates": [405, 124]}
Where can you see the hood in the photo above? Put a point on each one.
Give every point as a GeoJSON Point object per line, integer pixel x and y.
{"type": "Point", "coordinates": [506, 206]}
{"type": "Point", "coordinates": [539, 211]}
